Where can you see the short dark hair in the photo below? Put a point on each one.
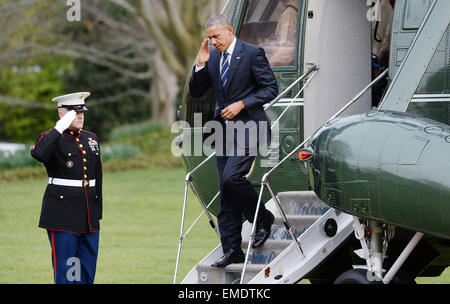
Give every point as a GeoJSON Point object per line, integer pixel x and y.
{"type": "Point", "coordinates": [218, 19]}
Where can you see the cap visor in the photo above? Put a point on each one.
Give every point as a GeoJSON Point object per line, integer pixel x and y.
{"type": "Point", "coordinates": [78, 108]}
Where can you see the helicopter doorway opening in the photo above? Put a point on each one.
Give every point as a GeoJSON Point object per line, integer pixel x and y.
{"type": "Point", "coordinates": [338, 41]}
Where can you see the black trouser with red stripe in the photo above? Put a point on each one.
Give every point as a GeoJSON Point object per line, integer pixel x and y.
{"type": "Point", "coordinates": [74, 256]}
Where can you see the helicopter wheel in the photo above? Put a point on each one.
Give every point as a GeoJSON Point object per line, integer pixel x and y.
{"type": "Point", "coordinates": [360, 276]}
{"type": "Point", "coordinates": [354, 276]}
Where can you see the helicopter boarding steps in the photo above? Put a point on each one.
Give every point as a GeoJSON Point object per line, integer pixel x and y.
{"type": "Point", "coordinates": [280, 261]}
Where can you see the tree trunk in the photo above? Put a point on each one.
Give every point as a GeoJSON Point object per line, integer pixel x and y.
{"type": "Point", "coordinates": [164, 91]}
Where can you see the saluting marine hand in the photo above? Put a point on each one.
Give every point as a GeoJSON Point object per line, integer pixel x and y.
{"type": "Point", "coordinates": [65, 121]}
{"type": "Point", "coordinates": [203, 53]}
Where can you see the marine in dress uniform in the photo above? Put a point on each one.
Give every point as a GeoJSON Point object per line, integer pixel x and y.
{"type": "Point", "coordinates": [72, 203]}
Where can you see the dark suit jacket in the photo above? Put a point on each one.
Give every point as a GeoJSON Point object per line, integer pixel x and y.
{"type": "Point", "coordinates": [250, 79]}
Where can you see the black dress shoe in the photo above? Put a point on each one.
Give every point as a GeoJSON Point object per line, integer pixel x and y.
{"type": "Point", "coordinates": [263, 231]}
{"type": "Point", "coordinates": [232, 256]}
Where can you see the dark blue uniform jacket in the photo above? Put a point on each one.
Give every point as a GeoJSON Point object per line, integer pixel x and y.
{"type": "Point", "coordinates": [73, 156]}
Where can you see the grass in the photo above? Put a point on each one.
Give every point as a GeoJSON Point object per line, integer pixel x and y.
{"type": "Point", "coordinates": [139, 230]}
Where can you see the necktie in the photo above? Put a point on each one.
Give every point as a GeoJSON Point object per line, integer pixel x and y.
{"type": "Point", "coordinates": [224, 70]}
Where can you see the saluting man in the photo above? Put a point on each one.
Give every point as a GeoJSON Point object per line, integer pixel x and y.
{"type": "Point", "coordinates": [242, 82]}
{"type": "Point", "coordinates": [72, 203]}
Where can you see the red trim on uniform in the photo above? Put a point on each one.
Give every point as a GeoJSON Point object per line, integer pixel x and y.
{"type": "Point", "coordinates": [87, 204]}
{"type": "Point", "coordinates": [60, 230]}
{"type": "Point", "coordinates": [43, 134]}
{"type": "Point", "coordinates": [74, 136]}
{"type": "Point", "coordinates": [83, 164]}
{"type": "Point", "coordinates": [54, 254]}
{"type": "Point", "coordinates": [88, 132]}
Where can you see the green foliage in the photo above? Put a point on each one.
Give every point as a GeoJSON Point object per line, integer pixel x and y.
{"type": "Point", "coordinates": [135, 130]}
{"type": "Point", "coordinates": [23, 123]}
{"type": "Point", "coordinates": [22, 173]}
{"type": "Point", "coordinates": [17, 159]}
{"type": "Point", "coordinates": [34, 33]}
{"type": "Point", "coordinates": [118, 151]}
{"type": "Point", "coordinates": [153, 141]}
{"type": "Point", "coordinates": [104, 84]}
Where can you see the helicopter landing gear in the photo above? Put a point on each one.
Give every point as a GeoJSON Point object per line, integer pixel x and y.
{"type": "Point", "coordinates": [374, 238]}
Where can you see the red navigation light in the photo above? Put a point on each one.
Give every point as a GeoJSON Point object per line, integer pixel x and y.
{"type": "Point", "coordinates": [267, 272]}
{"type": "Point", "coordinates": [305, 154]}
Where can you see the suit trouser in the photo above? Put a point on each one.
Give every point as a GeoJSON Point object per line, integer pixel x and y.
{"type": "Point", "coordinates": [74, 256]}
{"type": "Point", "coordinates": [237, 198]}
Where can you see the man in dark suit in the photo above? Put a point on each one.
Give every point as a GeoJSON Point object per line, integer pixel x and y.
{"type": "Point", "coordinates": [243, 82]}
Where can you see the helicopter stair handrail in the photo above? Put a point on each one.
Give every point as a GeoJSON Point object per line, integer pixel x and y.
{"type": "Point", "coordinates": [312, 69]}
{"type": "Point", "coordinates": [266, 183]}
{"type": "Point", "coordinates": [189, 181]}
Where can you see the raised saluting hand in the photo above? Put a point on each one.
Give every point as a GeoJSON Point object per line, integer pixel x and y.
{"type": "Point", "coordinates": [203, 53]}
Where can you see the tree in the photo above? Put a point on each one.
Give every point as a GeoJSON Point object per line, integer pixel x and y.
{"type": "Point", "coordinates": [35, 79]}
{"type": "Point", "coordinates": [150, 40]}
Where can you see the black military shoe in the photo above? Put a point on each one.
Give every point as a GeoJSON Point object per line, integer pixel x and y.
{"type": "Point", "coordinates": [263, 231]}
{"type": "Point", "coordinates": [232, 256]}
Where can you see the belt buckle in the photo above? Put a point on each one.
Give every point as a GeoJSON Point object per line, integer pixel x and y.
{"type": "Point", "coordinates": [85, 183]}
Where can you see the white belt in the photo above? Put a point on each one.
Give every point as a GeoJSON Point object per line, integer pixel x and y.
{"type": "Point", "coordinates": [70, 182]}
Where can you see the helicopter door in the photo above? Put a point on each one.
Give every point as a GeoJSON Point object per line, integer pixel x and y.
{"type": "Point", "coordinates": [275, 26]}
{"type": "Point", "coordinates": [338, 41]}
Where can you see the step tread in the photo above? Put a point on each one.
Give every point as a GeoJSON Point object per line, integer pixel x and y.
{"type": "Point", "coordinates": [302, 209]}
{"type": "Point", "coordinates": [232, 267]}
{"type": "Point", "coordinates": [279, 218]}
{"type": "Point", "coordinates": [272, 242]}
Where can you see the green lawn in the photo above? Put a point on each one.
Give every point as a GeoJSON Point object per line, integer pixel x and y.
{"type": "Point", "coordinates": [139, 230]}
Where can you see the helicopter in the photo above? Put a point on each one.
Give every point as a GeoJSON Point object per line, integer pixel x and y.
{"type": "Point", "coordinates": [357, 175]}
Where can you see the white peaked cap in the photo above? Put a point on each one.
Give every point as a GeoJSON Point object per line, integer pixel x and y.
{"type": "Point", "coordinates": [71, 99]}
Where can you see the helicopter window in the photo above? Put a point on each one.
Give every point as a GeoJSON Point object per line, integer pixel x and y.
{"type": "Point", "coordinates": [229, 8]}
{"type": "Point", "coordinates": [435, 79]}
{"type": "Point", "coordinates": [414, 13]}
{"type": "Point", "coordinates": [272, 24]}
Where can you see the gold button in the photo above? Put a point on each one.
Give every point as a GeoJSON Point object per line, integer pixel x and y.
{"type": "Point", "coordinates": [71, 133]}
{"type": "Point", "coordinates": [77, 139]}
{"type": "Point", "coordinates": [81, 146]}
{"type": "Point", "coordinates": [84, 152]}
{"type": "Point", "coordinates": [84, 160]}
{"type": "Point", "coordinates": [69, 154]}
{"type": "Point", "coordinates": [85, 169]}
{"type": "Point", "coordinates": [61, 197]}
{"type": "Point", "coordinates": [85, 176]}
{"type": "Point", "coordinates": [69, 164]}
{"type": "Point", "coordinates": [96, 153]}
